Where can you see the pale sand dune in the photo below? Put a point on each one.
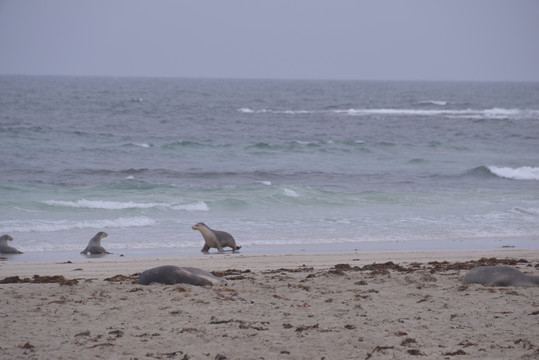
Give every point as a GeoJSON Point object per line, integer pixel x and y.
{"type": "Point", "coordinates": [309, 309]}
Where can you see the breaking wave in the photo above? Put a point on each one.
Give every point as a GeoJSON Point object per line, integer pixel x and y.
{"type": "Point", "coordinates": [433, 102]}
{"type": "Point", "coordinates": [64, 225]}
{"type": "Point", "coordinates": [520, 173]}
{"type": "Point", "coordinates": [116, 205]}
{"type": "Point", "coordinates": [494, 113]}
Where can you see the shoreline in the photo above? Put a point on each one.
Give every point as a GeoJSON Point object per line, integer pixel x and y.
{"type": "Point", "coordinates": [351, 305]}
{"type": "Point", "coordinates": [503, 243]}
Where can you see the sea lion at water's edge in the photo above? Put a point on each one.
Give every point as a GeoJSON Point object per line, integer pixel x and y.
{"type": "Point", "coordinates": [94, 246]}
{"type": "Point", "coordinates": [170, 274]}
{"type": "Point", "coordinates": [5, 248]}
{"type": "Point", "coordinates": [499, 276]}
{"type": "Point", "coordinates": [215, 238]}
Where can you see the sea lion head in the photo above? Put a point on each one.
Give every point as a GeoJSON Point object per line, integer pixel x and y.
{"type": "Point", "coordinates": [97, 237]}
{"type": "Point", "coordinates": [199, 226]}
{"type": "Point", "coordinates": [6, 237]}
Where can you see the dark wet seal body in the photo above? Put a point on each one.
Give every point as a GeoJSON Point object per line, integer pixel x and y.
{"type": "Point", "coordinates": [94, 246]}
{"type": "Point", "coordinates": [5, 248]}
{"type": "Point", "coordinates": [499, 276]}
{"type": "Point", "coordinates": [170, 274]}
{"type": "Point", "coordinates": [215, 239]}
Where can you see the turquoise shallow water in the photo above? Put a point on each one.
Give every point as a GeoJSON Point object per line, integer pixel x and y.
{"type": "Point", "coordinates": [282, 165]}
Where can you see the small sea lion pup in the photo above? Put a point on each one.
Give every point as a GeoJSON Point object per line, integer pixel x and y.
{"type": "Point", "coordinates": [5, 248]}
{"type": "Point", "coordinates": [94, 246]}
{"type": "Point", "coordinates": [499, 276]}
{"type": "Point", "coordinates": [170, 274]}
{"type": "Point", "coordinates": [215, 239]}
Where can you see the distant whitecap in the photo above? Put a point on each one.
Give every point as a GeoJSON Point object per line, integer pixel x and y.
{"type": "Point", "coordinates": [521, 173]}
{"type": "Point", "coordinates": [433, 102]}
{"type": "Point", "coordinates": [199, 206]}
{"type": "Point", "coordinates": [144, 145]}
{"type": "Point", "coordinates": [290, 193]}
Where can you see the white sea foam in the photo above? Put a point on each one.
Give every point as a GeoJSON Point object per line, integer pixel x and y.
{"type": "Point", "coordinates": [116, 205]}
{"type": "Point", "coordinates": [65, 225]}
{"type": "Point", "coordinates": [267, 183]}
{"type": "Point", "coordinates": [433, 102]}
{"type": "Point", "coordinates": [144, 145]}
{"type": "Point", "coordinates": [494, 113]}
{"type": "Point", "coordinates": [270, 111]}
{"type": "Point", "coordinates": [521, 173]}
{"type": "Point", "coordinates": [290, 193]}
{"type": "Point", "coordinates": [400, 112]}
{"type": "Point", "coordinates": [199, 206]}
{"type": "Point", "coordinates": [101, 204]}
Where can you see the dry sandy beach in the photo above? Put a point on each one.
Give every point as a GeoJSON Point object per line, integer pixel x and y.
{"type": "Point", "coordinates": [406, 305]}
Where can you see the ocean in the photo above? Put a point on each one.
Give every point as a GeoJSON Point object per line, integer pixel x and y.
{"type": "Point", "coordinates": [283, 165]}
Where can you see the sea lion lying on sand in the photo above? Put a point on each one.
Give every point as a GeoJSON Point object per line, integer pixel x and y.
{"type": "Point", "coordinates": [94, 246]}
{"type": "Point", "coordinates": [499, 276]}
{"type": "Point", "coordinates": [5, 248]}
{"type": "Point", "coordinates": [215, 238]}
{"type": "Point", "coordinates": [170, 274]}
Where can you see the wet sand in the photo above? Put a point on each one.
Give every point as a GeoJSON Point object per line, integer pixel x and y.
{"type": "Point", "coordinates": [379, 305]}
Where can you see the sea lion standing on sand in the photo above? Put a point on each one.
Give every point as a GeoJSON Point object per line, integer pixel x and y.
{"type": "Point", "coordinates": [215, 239]}
{"type": "Point", "coordinates": [170, 274]}
{"type": "Point", "coordinates": [5, 248]}
{"type": "Point", "coordinates": [499, 276]}
{"type": "Point", "coordinates": [94, 246]}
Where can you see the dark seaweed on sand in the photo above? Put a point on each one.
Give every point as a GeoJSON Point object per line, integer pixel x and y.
{"type": "Point", "coordinates": [36, 279]}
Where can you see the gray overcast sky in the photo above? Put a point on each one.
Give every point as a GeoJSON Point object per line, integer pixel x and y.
{"type": "Point", "coordinates": [307, 39]}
